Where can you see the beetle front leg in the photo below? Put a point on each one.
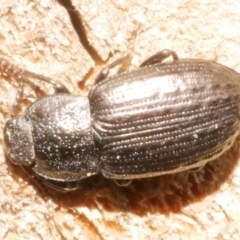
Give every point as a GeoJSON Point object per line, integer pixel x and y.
{"type": "Point", "coordinates": [159, 57]}
{"type": "Point", "coordinates": [60, 186]}
{"type": "Point", "coordinates": [41, 182]}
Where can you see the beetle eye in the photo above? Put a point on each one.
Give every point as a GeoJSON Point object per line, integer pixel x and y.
{"type": "Point", "coordinates": [18, 140]}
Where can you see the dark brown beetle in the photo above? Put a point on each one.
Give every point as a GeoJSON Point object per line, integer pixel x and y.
{"type": "Point", "coordinates": [159, 119]}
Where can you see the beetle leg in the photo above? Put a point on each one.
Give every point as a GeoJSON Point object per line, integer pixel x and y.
{"type": "Point", "coordinates": [159, 57]}
{"type": "Point", "coordinates": [197, 169]}
{"type": "Point", "coordinates": [41, 182]}
{"type": "Point", "coordinates": [104, 73]}
{"type": "Point", "coordinates": [61, 186]}
{"type": "Point", "coordinates": [122, 183]}
{"type": "Point", "coordinates": [59, 88]}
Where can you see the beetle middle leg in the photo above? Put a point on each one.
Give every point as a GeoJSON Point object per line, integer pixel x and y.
{"type": "Point", "coordinates": [159, 57]}
{"type": "Point", "coordinates": [104, 73]}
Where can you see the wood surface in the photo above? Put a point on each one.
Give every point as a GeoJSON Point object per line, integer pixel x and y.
{"type": "Point", "coordinates": [71, 41]}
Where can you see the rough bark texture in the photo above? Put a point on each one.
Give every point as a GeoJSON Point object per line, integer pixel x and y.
{"type": "Point", "coordinates": [65, 41]}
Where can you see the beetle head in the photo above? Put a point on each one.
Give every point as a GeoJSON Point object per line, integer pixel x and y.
{"type": "Point", "coordinates": [19, 141]}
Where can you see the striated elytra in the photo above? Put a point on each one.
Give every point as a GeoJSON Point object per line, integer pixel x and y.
{"type": "Point", "coordinates": [161, 118]}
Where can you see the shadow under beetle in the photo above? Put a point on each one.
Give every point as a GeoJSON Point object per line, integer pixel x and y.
{"type": "Point", "coordinates": [161, 118]}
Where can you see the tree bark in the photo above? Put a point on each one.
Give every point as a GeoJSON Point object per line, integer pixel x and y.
{"type": "Point", "coordinates": [71, 41]}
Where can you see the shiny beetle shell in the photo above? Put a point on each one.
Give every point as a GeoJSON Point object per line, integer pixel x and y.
{"type": "Point", "coordinates": [157, 119]}
{"type": "Point", "coordinates": [165, 118]}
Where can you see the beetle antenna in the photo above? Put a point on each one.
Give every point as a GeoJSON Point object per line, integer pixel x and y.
{"type": "Point", "coordinates": [6, 68]}
{"type": "Point", "coordinates": [19, 75]}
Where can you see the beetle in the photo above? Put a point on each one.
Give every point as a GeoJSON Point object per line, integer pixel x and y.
{"type": "Point", "coordinates": [161, 118]}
